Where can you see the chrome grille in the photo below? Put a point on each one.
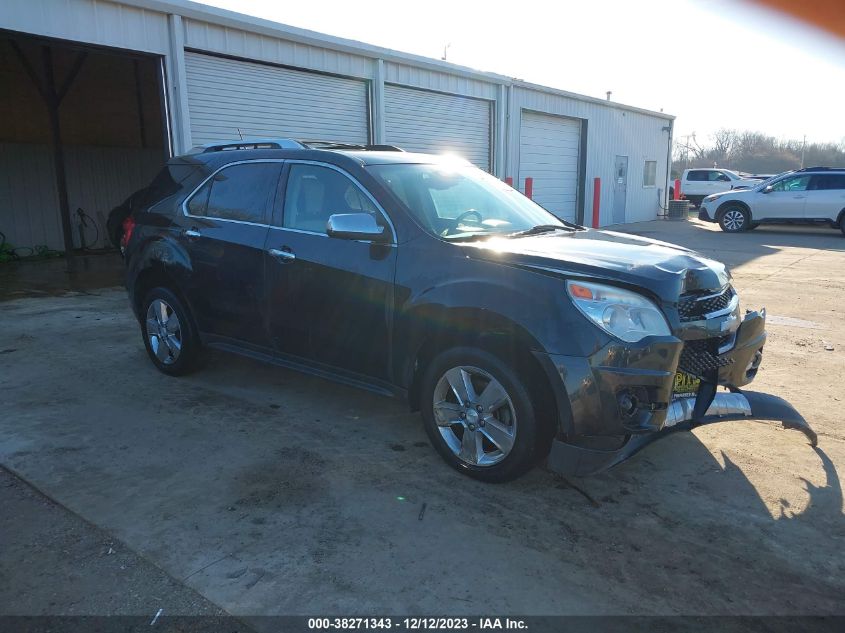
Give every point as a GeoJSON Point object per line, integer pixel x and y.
{"type": "Point", "coordinates": [694, 307]}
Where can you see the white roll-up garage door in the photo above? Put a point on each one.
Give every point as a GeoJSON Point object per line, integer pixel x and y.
{"type": "Point", "coordinates": [436, 123]}
{"type": "Point", "coordinates": [226, 96]}
{"type": "Point", "coordinates": [549, 148]}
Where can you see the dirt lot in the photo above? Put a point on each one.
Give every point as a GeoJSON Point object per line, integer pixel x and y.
{"type": "Point", "coordinates": [269, 492]}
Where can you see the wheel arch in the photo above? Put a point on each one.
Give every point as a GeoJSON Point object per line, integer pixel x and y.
{"type": "Point", "coordinates": [153, 276]}
{"type": "Point", "coordinates": [495, 334]}
{"type": "Point", "coordinates": [739, 203]}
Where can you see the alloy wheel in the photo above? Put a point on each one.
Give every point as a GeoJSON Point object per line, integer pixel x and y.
{"type": "Point", "coordinates": [475, 416]}
{"type": "Point", "coordinates": [164, 331]}
{"type": "Point", "coordinates": [734, 219]}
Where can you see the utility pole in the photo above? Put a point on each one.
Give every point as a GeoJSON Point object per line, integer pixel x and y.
{"type": "Point", "coordinates": [803, 146]}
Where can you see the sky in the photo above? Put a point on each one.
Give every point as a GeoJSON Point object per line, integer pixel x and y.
{"type": "Point", "coordinates": [712, 64]}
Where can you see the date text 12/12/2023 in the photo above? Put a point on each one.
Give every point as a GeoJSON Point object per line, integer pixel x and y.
{"type": "Point", "coordinates": [417, 624]}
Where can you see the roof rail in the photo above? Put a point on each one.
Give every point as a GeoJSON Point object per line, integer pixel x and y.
{"type": "Point", "coordinates": [314, 144]}
{"type": "Point", "coordinates": [822, 169]}
{"type": "Point", "coordinates": [287, 143]}
{"type": "Point", "coordinates": [250, 143]}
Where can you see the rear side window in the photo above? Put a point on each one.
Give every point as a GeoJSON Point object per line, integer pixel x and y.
{"type": "Point", "coordinates": [241, 192]}
{"type": "Point", "coordinates": [169, 181]}
{"type": "Point", "coordinates": [828, 182]}
{"type": "Point", "coordinates": [697, 175]}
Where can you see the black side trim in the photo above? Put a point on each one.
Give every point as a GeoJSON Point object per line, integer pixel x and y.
{"type": "Point", "coordinates": [306, 367]}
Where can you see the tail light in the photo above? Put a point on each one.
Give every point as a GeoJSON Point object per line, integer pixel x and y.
{"type": "Point", "coordinates": [128, 227]}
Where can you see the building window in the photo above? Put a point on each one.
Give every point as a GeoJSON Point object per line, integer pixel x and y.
{"type": "Point", "coordinates": [650, 173]}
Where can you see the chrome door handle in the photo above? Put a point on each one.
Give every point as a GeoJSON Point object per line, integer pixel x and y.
{"type": "Point", "coordinates": [285, 255]}
{"type": "Point", "coordinates": [193, 233]}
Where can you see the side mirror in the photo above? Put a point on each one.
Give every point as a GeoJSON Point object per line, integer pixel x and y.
{"type": "Point", "coordinates": [768, 189]}
{"type": "Point", "coordinates": [355, 226]}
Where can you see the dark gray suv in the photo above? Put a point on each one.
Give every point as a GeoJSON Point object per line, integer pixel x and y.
{"type": "Point", "coordinates": [517, 335]}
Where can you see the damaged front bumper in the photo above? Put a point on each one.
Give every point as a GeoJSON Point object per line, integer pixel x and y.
{"type": "Point", "coordinates": [598, 432]}
{"type": "Point", "coordinates": [568, 459]}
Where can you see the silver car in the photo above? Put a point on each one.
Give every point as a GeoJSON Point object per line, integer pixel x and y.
{"type": "Point", "coordinates": [815, 195]}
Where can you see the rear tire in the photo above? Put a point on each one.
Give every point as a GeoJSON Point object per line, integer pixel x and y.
{"type": "Point", "coordinates": [170, 336]}
{"type": "Point", "coordinates": [479, 415]}
{"type": "Point", "coordinates": [734, 219]}
{"type": "Point", "coordinates": [842, 224]}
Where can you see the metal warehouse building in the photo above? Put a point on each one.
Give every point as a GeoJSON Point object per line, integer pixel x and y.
{"type": "Point", "coordinates": [120, 86]}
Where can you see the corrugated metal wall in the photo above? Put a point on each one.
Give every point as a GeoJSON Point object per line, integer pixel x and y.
{"type": "Point", "coordinates": [144, 25]}
{"type": "Point", "coordinates": [239, 43]}
{"type": "Point", "coordinates": [90, 21]}
{"type": "Point", "coordinates": [99, 178]}
{"type": "Point", "coordinates": [611, 131]}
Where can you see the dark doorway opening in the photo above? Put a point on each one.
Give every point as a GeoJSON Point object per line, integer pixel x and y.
{"type": "Point", "coordinates": [81, 128]}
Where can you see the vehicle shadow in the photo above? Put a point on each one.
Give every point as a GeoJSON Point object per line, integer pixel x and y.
{"type": "Point", "coordinates": [738, 248]}
{"type": "Point", "coordinates": [714, 524]}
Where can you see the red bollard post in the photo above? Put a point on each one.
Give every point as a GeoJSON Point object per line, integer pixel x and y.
{"type": "Point", "coordinates": [509, 181]}
{"type": "Point", "coordinates": [529, 187]}
{"type": "Point", "coordinates": [596, 201]}
{"type": "Point", "coordinates": [677, 189]}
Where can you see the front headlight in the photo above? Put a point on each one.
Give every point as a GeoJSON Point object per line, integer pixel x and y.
{"type": "Point", "coordinates": [621, 313]}
{"type": "Point", "coordinates": [713, 197]}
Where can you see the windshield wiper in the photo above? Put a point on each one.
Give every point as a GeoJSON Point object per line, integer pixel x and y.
{"type": "Point", "coordinates": [468, 237]}
{"type": "Point", "coordinates": [541, 228]}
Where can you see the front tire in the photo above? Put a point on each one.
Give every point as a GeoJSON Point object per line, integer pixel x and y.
{"type": "Point", "coordinates": [734, 219]}
{"type": "Point", "coordinates": [479, 415]}
{"type": "Point", "coordinates": [169, 334]}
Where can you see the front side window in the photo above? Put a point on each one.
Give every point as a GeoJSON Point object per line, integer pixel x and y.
{"type": "Point", "coordinates": [717, 176]}
{"type": "Point", "coordinates": [795, 183]}
{"type": "Point", "coordinates": [461, 201]}
{"type": "Point", "coordinates": [239, 192]}
{"type": "Point", "coordinates": [650, 173]}
{"type": "Point", "coordinates": [314, 193]}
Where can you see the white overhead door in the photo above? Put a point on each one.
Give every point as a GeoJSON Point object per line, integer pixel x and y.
{"type": "Point", "coordinates": [431, 122]}
{"type": "Point", "coordinates": [228, 98]}
{"type": "Point", "coordinates": [549, 148]}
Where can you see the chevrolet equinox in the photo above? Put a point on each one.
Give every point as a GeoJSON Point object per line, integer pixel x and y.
{"type": "Point", "coordinates": [518, 336]}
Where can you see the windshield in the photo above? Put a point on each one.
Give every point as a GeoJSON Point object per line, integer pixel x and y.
{"type": "Point", "coordinates": [769, 181]}
{"type": "Point", "coordinates": [460, 202]}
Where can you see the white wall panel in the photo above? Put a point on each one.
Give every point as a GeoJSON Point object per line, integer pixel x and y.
{"type": "Point", "coordinates": [226, 95]}
{"type": "Point", "coordinates": [611, 131]}
{"type": "Point", "coordinates": [239, 43]}
{"type": "Point", "coordinates": [424, 121]}
{"type": "Point", "coordinates": [410, 75]}
{"type": "Point", "coordinates": [90, 21]}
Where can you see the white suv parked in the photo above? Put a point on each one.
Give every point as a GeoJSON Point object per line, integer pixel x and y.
{"type": "Point", "coordinates": [697, 184]}
{"type": "Point", "coordinates": [815, 195]}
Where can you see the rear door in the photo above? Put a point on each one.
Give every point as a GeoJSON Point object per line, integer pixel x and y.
{"type": "Point", "coordinates": [330, 300]}
{"type": "Point", "coordinates": [695, 183]}
{"type": "Point", "coordinates": [785, 201]}
{"type": "Point", "coordinates": [825, 197]}
{"type": "Point", "coordinates": [224, 228]}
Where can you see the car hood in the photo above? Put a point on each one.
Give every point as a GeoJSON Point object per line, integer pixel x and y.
{"type": "Point", "coordinates": [664, 269]}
